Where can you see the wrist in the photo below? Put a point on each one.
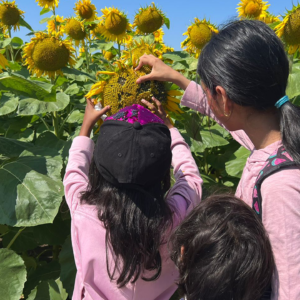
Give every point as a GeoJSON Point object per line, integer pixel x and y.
{"type": "Point", "coordinates": [180, 80]}
{"type": "Point", "coordinates": [86, 129]}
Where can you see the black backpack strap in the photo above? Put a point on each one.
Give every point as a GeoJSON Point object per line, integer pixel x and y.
{"type": "Point", "coordinates": [275, 163]}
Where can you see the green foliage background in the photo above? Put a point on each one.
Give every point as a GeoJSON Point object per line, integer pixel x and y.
{"type": "Point", "coordinates": [38, 121]}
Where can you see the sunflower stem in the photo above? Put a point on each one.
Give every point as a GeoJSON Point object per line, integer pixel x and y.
{"type": "Point", "coordinates": [86, 50]}
{"type": "Point", "coordinates": [14, 238]}
{"type": "Point", "coordinates": [10, 46]}
{"type": "Point", "coordinates": [119, 49]}
{"type": "Point", "coordinates": [45, 123]}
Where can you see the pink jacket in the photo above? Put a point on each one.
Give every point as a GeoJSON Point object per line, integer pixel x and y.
{"type": "Point", "coordinates": [280, 206]}
{"type": "Point", "coordinates": [88, 234]}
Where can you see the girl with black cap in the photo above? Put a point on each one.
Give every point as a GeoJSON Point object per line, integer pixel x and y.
{"type": "Point", "coordinates": [121, 214]}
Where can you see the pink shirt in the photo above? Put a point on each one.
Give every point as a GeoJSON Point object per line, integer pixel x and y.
{"type": "Point", "coordinates": [280, 206]}
{"type": "Point", "coordinates": [88, 234]}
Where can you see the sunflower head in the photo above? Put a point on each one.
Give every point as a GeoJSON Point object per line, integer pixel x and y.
{"type": "Point", "coordinates": [269, 18]}
{"type": "Point", "coordinates": [85, 10]}
{"type": "Point", "coordinates": [55, 26]}
{"type": "Point", "coordinates": [289, 29]}
{"type": "Point", "coordinates": [75, 30]}
{"type": "Point", "coordinates": [114, 24]}
{"type": "Point", "coordinates": [199, 34]}
{"type": "Point", "coordinates": [10, 14]}
{"type": "Point", "coordinates": [158, 35]}
{"type": "Point", "coordinates": [149, 19]}
{"type": "Point", "coordinates": [255, 9]}
{"type": "Point", "coordinates": [46, 54]}
{"type": "Point", "coordinates": [48, 3]}
{"type": "Point", "coordinates": [121, 90]}
{"type": "Point", "coordinates": [108, 55]}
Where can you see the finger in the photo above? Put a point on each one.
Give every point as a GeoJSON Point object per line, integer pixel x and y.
{"type": "Point", "coordinates": [149, 105]}
{"type": "Point", "coordinates": [158, 104]}
{"type": "Point", "coordinates": [104, 110]}
{"type": "Point", "coordinates": [145, 78]}
{"type": "Point", "coordinates": [144, 60]}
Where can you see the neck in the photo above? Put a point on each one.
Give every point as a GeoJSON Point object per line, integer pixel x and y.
{"type": "Point", "coordinates": [263, 128]}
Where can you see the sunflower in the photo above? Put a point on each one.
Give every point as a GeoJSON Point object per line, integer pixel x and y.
{"type": "Point", "coordinates": [114, 24]}
{"type": "Point", "coordinates": [269, 18]}
{"type": "Point", "coordinates": [108, 55]}
{"type": "Point", "coordinates": [128, 40]}
{"type": "Point", "coordinates": [84, 9]}
{"type": "Point", "coordinates": [121, 90]}
{"type": "Point", "coordinates": [137, 50]}
{"type": "Point", "coordinates": [75, 30]}
{"type": "Point", "coordinates": [48, 3]}
{"type": "Point", "coordinates": [158, 36]}
{"type": "Point", "coordinates": [46, 54]}
{"type": "Point", "coordinates": [199, 34]}
{"type": "Point", "coordinates": [10, 15]}
{"type": "Point", "coordinates": [289, 29]}
{"type": "Point", "coordinates": [254, 9]}
{"type": "Point", "coordinates": [56, 25]}
{"type": "Point", "coordinates": [149, 19]}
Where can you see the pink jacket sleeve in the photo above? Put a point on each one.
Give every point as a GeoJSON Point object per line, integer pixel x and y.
{"type": "Point", "coordinates": [186, 193]}
{"type": "Point", "coordinates": [76, 176]}
{"type": "Point", "coordinates": [195, 98]}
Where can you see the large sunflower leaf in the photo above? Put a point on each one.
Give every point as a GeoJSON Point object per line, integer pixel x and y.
{"type": "Point", "coordinates": [235, 165]}
{"type": "Point", "coordinates": [77, 75]}
{"type": "Point", "coordinates": [30, 106]}
{"type": "Point", "coordinates": [293, 88]}
{"type": "Point", "coordinates": [8, 104]}
{"type": "Point", "coordinates": [27, 88]}
{"type": "Point", "coordinates": [68, 268]}
{"type": "Point", "coordinates": [12, 274]}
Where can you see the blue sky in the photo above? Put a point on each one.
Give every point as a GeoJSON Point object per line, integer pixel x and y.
{"type": "Point", "coordinates": [180, 13]}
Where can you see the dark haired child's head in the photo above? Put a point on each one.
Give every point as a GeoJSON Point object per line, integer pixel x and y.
{"type": "Point", "coordinates": [222, 252]}
{"type": "Point", "coordinates": [247, 64]}
{"type": "Point", "coordinates": [129, 176]}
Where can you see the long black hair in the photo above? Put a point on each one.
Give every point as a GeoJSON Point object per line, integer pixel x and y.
{"type": "Point", "coordinates": [135, 223]}
{"type": "Point", "coordinates": [248, 60]}
{"type": "Point", "coordinates": [222, 251]}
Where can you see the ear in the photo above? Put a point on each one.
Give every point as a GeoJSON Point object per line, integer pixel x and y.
{"type": "Point", "coordinates": [224, 103]}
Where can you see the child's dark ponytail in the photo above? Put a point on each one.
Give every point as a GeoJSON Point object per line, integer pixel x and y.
{"type": "Point", "coordinates": [248, 60]}
{"type": "Point", "coordinates": [290, 129]}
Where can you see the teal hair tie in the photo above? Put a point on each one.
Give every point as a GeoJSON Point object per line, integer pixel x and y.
{"type": "Point", "coordinates": [282, 101]}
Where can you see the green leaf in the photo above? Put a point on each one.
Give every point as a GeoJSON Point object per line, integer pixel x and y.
{"type": "Point", "coordinates": [167, 22]}
{"type": "Point", "coordinates": [76, 117]}
{"type": "Point", "coordinates": [293, 88]}
{"type": "Point", "coordinates": [72, 89]}
{"type": "Point", "coordinates": [30, 106]}
{"type": "Point", "coordinates": [235, 165]}
{"type": "Point", "coordinates": [25, 24]}
{"type": "Point", "coordinates": [44, 11]}
{"type": "Point", "coordinates": [26, 135]}
{"type": "Point", "coordinates": [101, 45]}
{"type": "Point", "coordinates": [176, 56]}
{"type": "Point", "coordinates": [14, 66]}
{"type": "Point", "coordinates": [28, 88]}
{"type": "Point", "coordinates": [12, 274]}
{"type": "Point", "coordinates": [47, 19]}
{"type": "Point", "coordinates": [5, 43]}
{"type": "Point", "coordinates": [77, 75]}
{"type": "Point", "coordinates": [68, 268]}
{"type": "Point", "coordinates": [17, 42]}
{"type": "Point", "coordinates": [8, 104]}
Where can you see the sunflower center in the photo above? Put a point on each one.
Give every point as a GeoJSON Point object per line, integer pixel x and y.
{"type": "Point", "coordinates": [50, 55]}
{"type": "Point", "coordinates": [200, 35]}
{"type": "Point", "coordinates": [74, 30]}
{"type": "Point", "coordinates": [252, 9]}
{"type": "Point", "coordinates": [292, 29]}
{"type": "Point", "coordinates": [9, 15]}
{"type": "Point", "coordinates": [85, 12]}
{"type": "Point", "coordinates": [115, 24]}
{"type": "Point", "coordinates": [149, 20]}
{"type": "Point", "coordinates": [122, 90]}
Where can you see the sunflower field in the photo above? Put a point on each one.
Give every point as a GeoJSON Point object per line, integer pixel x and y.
{"type": "Point", "coordinates": [43, 85]}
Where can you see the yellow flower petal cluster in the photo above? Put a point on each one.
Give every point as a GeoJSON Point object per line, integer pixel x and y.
{"type": "Point", "coordinates": [75, 30]}
{"type": "Point", "coordinates": [85, 10]}
{"type": "Point", "coordinates": [108, 55]}
{"type": "Point", "coordinates": [158, 35]}
{"type": "Point", "coordinates": [121, 90]}
{"type": "Point", "coordinates": [114, 24]}
{"type": "Point", "coordinates": [254, 9]}
{"type": "Point", "coordinates": [289, 29]}
{"type": "Point", "coordinates": [269, 18]}
{"type": "Point", "coordinates": [3, 62]}
{"type": "Point", "coordinates": [10, 15]}
{"type": "Point", "coordinates": [56, 26]}
{"type": "Point", "coordinates": [138, 49]}
{"type": "Point", "coordinates": [149, 19]}
{"type": "Point", "coordinates": [198, 35]}
{"type": "Point", "coordinates": [48, 3]}
{"type": "Point", "coordinates": [46, 54]}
